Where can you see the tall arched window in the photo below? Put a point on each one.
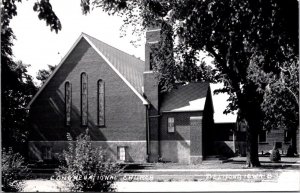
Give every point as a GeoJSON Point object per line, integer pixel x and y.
{"type": "Point", "coordinates": [101, 115]}
{"type": "Point", "coordinates": [68, 99]}
{"type": "Point", "coordinates": [84, 99]}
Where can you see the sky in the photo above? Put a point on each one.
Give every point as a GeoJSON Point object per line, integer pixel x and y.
{"type": "Point", "coordinates": [38, 46]}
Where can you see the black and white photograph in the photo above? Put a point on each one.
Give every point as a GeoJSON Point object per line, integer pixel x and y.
{"type": "Point", "coordinates": [149, 95]}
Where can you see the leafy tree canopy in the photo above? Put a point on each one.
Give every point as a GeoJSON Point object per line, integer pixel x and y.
{"type": "Point", "coordinates": [14, 102]}
{"type": "Point", "coordinates": [17, 86]}
{"type": "Point", "coordinates": [247, 40]}
{"type": "Point", "coordinates": [43, 74]}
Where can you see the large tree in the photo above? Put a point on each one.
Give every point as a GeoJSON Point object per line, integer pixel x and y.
{"type": "Point", "coordinates": [240, 35]}
{"type": "Point", "coordinates": [17, 87]}
{"type": "Point", "coordinates": [281, 100]}
{"type": "Point", "coordinates": [14, 112]}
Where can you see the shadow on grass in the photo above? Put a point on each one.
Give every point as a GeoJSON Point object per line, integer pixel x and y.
{"type": "Point", "coordinates": [270, 165]}
{"type": "Point", "coordinates": [281, 162]}
{"type": "Point", "coordinates": [132, 167]}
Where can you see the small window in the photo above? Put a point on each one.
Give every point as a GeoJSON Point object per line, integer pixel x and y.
{"type": "Point", "coordinates": [242, 126]}
{"type": "Point", "coordinates": [68, 103]}
{"type": "Point", "coordinates": [171, 125]}
{"type": "Point", "coordinates": [262, 137]}
{"type": "Point", "coordinates": [287, 136]}
{"type": "Point", "coordinates": [47, 153]}
{"type": "Point", "coordinates": [101, 109]}
{"type": "Point", "coordinates": [122, 153]}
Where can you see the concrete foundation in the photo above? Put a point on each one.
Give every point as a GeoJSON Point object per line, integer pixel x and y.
{"type": "Point", "coordinates": [135, 150]}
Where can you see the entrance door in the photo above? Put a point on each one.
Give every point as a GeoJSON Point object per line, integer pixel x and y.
{"type": "Point", "coordinates": [208, 138]}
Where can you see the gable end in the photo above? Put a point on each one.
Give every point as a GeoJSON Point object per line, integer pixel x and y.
{"type": "Point", "coordinates": [145, 102]}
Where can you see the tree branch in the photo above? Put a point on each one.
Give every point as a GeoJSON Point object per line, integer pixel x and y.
{"type": "Point", "coordinates": [294, 95]}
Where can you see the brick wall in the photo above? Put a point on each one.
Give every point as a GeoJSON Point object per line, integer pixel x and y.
{"type": "Point", "coordinates": [125, 115]}
{"type": "Point", "coordinates": [135, 150]}
{"type": "Point", "coordinates": [176, 147]}
{"type": "Point", "coordinates": [182, 125]}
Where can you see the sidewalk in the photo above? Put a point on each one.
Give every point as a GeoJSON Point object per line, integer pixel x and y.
{"type": "Point", "coordinates": [287, 181]}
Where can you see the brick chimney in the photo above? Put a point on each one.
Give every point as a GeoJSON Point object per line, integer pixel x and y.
{"type": "Point", "coordinates": [151, 92]}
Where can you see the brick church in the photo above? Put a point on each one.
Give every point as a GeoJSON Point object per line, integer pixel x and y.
{"type": "Point", "coordinates": [117, 97]}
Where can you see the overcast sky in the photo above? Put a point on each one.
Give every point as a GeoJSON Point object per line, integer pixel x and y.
{"type": "Point", "coordinates": [38, 46]}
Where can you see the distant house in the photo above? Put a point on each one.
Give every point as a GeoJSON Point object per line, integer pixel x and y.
{"type": "Point", "coordinates": [230, 134]}
{"type": "Point", "coordinates": [116, 96]}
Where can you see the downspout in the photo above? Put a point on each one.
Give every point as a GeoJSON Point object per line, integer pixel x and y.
{"type": "Point", "coordinates": [159, 137]}
{"type": "Point", "coordinates": [147, 130]}
{"type": "Point", "coordinates": [158, 133]}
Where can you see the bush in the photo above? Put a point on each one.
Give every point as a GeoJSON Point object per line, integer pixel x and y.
{"type": "Point", "coordinates": [13, 170]}
{"type": "Point", "coordinates": [86, 168]}
{"type": "Point", "coordinates": [275, 155]}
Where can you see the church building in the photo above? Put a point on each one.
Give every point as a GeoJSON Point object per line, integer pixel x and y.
{"type": "Point", "coordinates": [116, 96]}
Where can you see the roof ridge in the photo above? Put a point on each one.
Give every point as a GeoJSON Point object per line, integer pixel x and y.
{"type": "Point", "coordinates": [113, 47]}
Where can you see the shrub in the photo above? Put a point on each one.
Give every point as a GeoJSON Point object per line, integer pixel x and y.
{"type": "Point", "coordinates": [86, 168]}
{"type": "Point", "coordinates": [13, 170]}
{"type": "Point", "coordinates": [275, 155]}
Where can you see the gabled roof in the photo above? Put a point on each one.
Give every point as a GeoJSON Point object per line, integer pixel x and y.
{"type": "Point", "coordinates": [129, 68]}
{"type": "Point", "coordinates": [185, 98]}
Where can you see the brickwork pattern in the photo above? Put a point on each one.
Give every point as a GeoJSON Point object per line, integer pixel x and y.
{"type": "Point", "coordinates": [125, 119]}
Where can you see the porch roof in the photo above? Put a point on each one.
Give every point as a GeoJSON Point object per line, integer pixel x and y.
{"type": "Point", "coordinates": [185, 98]}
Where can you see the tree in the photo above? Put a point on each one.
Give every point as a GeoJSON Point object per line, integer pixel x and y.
{"type": "Point", "coordinates": [14, 113]}
{"type": "Point", "coordinates": [45, 73]}
{"type": "Point", "coordinates": [8, 11]}
{"type": "Point", "coordinates": [17, 87]}
{"type": "Point", "coordinates": [239, 35]}
{"type": "Point", "coordinates": [281, 101]}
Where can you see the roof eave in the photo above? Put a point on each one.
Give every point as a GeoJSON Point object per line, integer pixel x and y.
{"type": "Point", "coordinates": [82, 35]}
{"type": "Point", "coordinates": [145, 102]}
{"type": "Point", "coordinates": [182, 111]}
{"type": "Point", "coordinates": [55, 70]}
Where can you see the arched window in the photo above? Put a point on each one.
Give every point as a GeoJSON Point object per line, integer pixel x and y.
{"type": "Point", "coordinates": [101, 114]}
{"type": "Point", "coordinates": [84, 99]}
{"type": "Point", "coordinates": [151, 61]}
{"type": "Point", "coordinates": [68, 102]}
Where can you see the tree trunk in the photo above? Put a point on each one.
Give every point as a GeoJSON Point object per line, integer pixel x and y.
{"type": "Point", "coordinates": [294, 141]}
{"type": "Point", "coordinates": [252, 145]}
